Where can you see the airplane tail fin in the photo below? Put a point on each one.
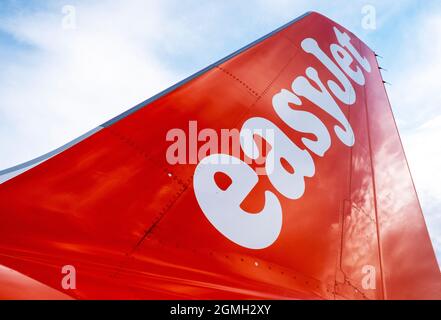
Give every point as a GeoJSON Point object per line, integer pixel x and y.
{"type": "Point", "coordinates": [316, 200]}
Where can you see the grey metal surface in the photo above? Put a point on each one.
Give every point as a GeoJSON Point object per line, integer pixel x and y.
{"type": "Point", "coordinates": [12, 172]}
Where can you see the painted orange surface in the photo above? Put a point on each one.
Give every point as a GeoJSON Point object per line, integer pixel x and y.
{"type": "Point", "coordinates": [130, 223]}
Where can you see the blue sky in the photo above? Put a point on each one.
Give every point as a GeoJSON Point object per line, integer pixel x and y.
{"type": "Point", "coordinates": [57, 83]}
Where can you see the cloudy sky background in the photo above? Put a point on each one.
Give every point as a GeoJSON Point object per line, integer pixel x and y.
{"type": "Point", "coordinates": [58, 83]}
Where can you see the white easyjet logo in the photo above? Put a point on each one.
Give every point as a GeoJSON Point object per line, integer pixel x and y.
{"type": "Point", "coordinates": [222, 207]}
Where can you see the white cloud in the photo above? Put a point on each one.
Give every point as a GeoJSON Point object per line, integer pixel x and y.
{"type": "Point", "coordinates": [423, 150]}
{"type": "Point", "coordinates": [67, 82]}
{"type": "Point", "coordinates": [416, 101]}
{"type": "Point", "coordinates": [415, 90]}
{"type": "Point", "coordinates": [70, 81]}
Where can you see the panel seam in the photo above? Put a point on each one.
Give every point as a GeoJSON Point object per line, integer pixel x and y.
{"type": "Point", "coordinates": [380, 253]}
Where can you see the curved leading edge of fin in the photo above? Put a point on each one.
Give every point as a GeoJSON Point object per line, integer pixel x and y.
{"type": "Point", "coordinates": [12, 172]}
